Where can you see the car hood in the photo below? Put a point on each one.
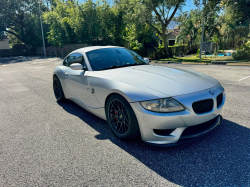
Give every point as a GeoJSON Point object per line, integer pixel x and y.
{"type": "Point", "coordinates": [169, 81]}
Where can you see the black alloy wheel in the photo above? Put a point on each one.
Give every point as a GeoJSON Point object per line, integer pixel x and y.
{"type": "Point", "coordinates": [121, 118]}
{"type": "Point", "coordinates": [118, 116]}
{"type": "Point", "coordinates": [58, 91]}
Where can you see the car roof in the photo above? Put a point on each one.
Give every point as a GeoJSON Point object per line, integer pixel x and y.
{"type": "Point", "coordinates": [87, 49]}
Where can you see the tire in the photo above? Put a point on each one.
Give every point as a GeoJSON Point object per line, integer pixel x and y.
{"type": "Point", "coordinates": [121, 118]}
{"type": "Point", "coordinates": [58, 91]}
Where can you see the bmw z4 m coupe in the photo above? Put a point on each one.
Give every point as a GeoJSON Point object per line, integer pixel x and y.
{"type": "Point", "coordinates": [161, 105]}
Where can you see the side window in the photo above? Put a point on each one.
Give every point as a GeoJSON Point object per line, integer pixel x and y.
{"type": "Point", "coordinates": [69, 60]}
{"type": "Point", "coordinates": [65, 62]}
{"type": "Point", "coordinates": [74, 58]}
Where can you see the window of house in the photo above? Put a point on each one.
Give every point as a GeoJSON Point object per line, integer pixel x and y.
{"type": "Point", "coordinates": [171, 42]}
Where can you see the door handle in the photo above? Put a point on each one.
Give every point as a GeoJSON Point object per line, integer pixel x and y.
{"type": "Point", "coordinates": [66, 74]}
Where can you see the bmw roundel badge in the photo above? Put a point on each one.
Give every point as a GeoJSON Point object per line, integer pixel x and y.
{"type": "Point", "coordinates": [211, 92]}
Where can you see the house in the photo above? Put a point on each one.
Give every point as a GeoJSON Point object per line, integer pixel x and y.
{"type": "Point", "coordinates": [4, 43]}
{"type": "Point", "coordinates": [172, 33]}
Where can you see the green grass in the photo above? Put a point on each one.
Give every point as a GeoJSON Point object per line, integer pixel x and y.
{"type": "Point", "coordinates": [196, 59]}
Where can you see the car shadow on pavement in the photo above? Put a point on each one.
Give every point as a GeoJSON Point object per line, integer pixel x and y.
{"type": "Point", "coordinates": [220, 158]}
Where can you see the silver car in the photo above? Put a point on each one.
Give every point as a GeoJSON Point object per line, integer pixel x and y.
{"type": "Point", "coordinates": [160, 105]}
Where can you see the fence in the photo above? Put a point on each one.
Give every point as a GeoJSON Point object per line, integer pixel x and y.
{"type": "Point", "coordinates": [179, 50]}
{"type": "Point", "coordinates": [56, 51]}
{"type": "Point", "coordinates": [208, 47]}
{"type": "Point", "coordinates": [16, 52]}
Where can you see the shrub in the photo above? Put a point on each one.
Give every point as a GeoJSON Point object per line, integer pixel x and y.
{"type": "Point", "coordinates": [136, 45]}
{"type": "Point", "coordinates": [246, 47]}
{"type": "Point", "coordinates": [240, 55]}
{"type": "Point", "coordinates": [170, 52]}
{"type": "Point", "coordinates": [159, 53]}
{"type": "Point", "coordinates": [198, 53]}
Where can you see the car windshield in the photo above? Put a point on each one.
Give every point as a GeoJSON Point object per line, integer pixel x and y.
{"type": "Point", "coordinates": [110, 58]}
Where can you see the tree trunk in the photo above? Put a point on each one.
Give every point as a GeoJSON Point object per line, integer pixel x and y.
{"type": "Point", "coordinates": [165, 40]}
{"type": "Point", "coordinates": [191, 42]}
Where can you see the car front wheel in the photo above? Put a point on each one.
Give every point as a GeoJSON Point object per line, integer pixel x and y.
{"type": "Point", "coordinates": [58, 91]}
{"type": "Point", "coordinates": [121, 118]}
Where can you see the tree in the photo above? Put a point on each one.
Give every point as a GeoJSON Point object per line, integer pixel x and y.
{"type": "Point", "coordinates": [216, 40]}
{"type": "Point", "coordinates": [156, 13]}
{"type": "Point", "coordinates": [118, 29]}
{"type": "Point", "coordinates": [21, 19]}
{"type": "Point", "coordinates": [63, 23]}
{"type": "Point", "coordinates": [105, 16]}
{"type": "Point", "coordinates": [189, 26]}
{"type": "Point", "coordinates": [232, 32]}
{"type": "Point", "coordinates": [240, 10]}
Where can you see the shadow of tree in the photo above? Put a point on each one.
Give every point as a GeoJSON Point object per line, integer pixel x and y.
{"type": "Point", "coordinates": [221, 157]}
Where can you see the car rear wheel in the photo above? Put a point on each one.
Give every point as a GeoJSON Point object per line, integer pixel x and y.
{"type": "Point", "coordinates": [121, 118]}
{"type": "Point", "coordinates": [58, 91]}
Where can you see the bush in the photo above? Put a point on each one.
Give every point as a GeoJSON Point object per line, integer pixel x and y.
{"type": "Point", "coordinates": [240, 55]}
{"type": "Point", "coordinates": [136, 45]}
{"type": "Point", "coordinates": [160, 53]}
{"type": "Point", "coordinates": [170, 52]}
{"type": "Point", "coordinates": [243, 53]}
{"type": "Point", "coordinates": [198, 53]}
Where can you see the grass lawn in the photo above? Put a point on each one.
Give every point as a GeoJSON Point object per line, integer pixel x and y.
{"type": "Point", "coordinates": [193, 58]}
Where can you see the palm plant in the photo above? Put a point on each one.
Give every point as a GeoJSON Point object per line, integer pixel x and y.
{"type": "Point", "coordinates": [189, 27]}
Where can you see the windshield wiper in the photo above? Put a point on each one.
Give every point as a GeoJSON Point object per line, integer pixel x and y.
{"type": "Point", "coordinates": [111, 67]}
{"type": "Point", "coordinates": [135, 64]}
{"type": "Point", "coordinates": [125, 65]}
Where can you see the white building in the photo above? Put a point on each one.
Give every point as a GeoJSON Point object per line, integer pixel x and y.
{"type": "Point", "coordinates": [4, 43]}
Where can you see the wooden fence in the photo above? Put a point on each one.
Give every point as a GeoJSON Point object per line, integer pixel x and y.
{"type": "Point", "coordinates": [56, 51]}
{"type": "Point", "coordinates": [16, 52]}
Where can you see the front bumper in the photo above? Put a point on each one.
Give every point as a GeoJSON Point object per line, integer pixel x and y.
{"type": "Point", "coordinates": [178, 121]}
{"type": "Point", "coordinates": [192, 137]}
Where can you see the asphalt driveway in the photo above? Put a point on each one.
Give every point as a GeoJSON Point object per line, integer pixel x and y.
{"type": "Point", "coordinates": [45, 143]}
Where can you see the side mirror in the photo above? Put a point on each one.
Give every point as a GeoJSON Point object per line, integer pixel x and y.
{"type": "Point", "coordinates": [85, 68]}
{"type": "Point", "coordinates": [146, 59]}
{"type": "Point", "coordinates": [76, 66]}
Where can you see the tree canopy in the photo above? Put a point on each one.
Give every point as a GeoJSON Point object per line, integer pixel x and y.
{"type": "Point", "coordinates": [138, 21]}
{"type": "Point", "coordinates": [21, 19]}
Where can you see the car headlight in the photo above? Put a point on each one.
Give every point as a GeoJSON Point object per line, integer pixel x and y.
{"type": "Point", "coordinates": [162, 105]}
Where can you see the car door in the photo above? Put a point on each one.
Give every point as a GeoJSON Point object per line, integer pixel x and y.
{"type": "Point", "coordinates": [77, 82]}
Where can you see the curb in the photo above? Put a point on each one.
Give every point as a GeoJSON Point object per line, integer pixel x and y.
{"type": "Point", "coordinates": [193, 63]}
{"type": "Point", "coordinates": [228, 63]}
{"type": "Point", "coordinates": [164, 62]}
{"type": "Point", "coordinates": [219, 62]}
{"type": "Point", "coordinates": [173, 62]}
{"type": "Point", "coordinates": [238, 64]}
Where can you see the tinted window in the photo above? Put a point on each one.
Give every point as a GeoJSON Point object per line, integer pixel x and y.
{"type": "Point", "coordinates": [104, 58]}
{"type": "Point", "coordinates": [74, 58]}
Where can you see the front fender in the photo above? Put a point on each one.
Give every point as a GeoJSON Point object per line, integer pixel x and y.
{"type": "Point", "coordinates": [60, 73]}
{"type": "Point", "coordinates": [105, 86]}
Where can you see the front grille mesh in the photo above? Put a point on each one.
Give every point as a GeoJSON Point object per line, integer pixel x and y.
{"type": "Point", "coordinates": [219, 99]}
{"type": "Point", "coordinates": [189, 131]}
{"type": "Point", "coordinates": [203, 106]}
